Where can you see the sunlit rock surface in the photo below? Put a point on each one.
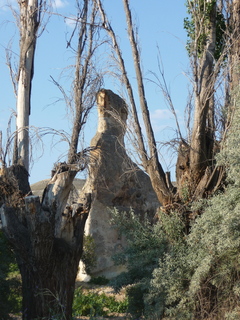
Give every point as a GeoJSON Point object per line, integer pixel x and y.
{"type": "Point", "coordinates": [115, 181]}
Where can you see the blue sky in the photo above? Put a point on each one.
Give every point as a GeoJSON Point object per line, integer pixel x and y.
{"type": "Point", "coordinates": [160, 23]}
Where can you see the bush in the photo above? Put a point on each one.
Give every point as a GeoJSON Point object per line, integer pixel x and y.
{"type": "Point", "coordinates": [99, 281]}
{"type": "Point", "coordinates": [88, 256]}
{"type": "Point", "coordinates": [193, 275]}
{"type": "Point", "coordinates": [93, 304]}
{"type": "Point", "coordinates": [147, 245]}
{"type": "Point", "coordinates": [135, 294]}
{"type": "Point", "coordinates": [202, 279]}
{"type": "Point", "coordinates": [10, 284]}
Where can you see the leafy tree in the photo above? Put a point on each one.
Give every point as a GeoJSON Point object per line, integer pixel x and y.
{"type": "Point", "coordinates": [212, 257]}
{"type": "Point", "coordinates": [188, 274]}
{"type": "Point", "coordinates": [193, 279]}
{"type": "Point", "coordinates": [200, 12]}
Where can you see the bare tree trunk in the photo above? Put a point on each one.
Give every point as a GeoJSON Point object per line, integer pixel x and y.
{"type": "Point", "coordinates": [48, 239]}
{"type": "Point", "coordinates": [150, 161]}
{"type": "Point", "coordinates": [29, 23]}
{"type": "Point", "coordinates": [78, 87]}
{"type": "Point", "coordinates": [205, 76]}
{"type": "Point", "coordinates": [196, 169]}
{"type": "Point", "coordinates": [84, 73]}
{"type": "Point", "coordinates": [153, 166]}
{"type": "Point", "coordinates": [235, 49]}
{"type": "Point", "coordinates": [47, 235]}
{"type": "Point", "coordinates": [140, 143]}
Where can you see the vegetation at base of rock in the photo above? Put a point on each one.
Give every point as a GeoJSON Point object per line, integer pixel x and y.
{"type": "Point", "coordinates": [93, 304]}
{"type": "Point", "coordinates": [89, 255]}
{"type": "Point", "coordinates": [101, 280]}
{"type": "Point", "coordinates": [195, 275]}
{"type": "Point", "coordinates": [146, 246]}
{"type": "Point", "coordinates": [10, 284]}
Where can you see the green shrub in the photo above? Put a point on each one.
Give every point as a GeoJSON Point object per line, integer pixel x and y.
{"type": "Point", "coordinates": [193, 275]}
{"type": "Point", "coordinates": [135, 296]}
{"type": "Point", "coordinates": [147, 245]}
{"type": "Point", "coordinates": [99, 280]}
{"type": "Point", "coordinates": [89, 256]}
{"type": "Point", "coordinates": [10, 284]}
{"type": "Point", "coordinates": [93, 304]}
{"type": "Point", "coordinates": [201, 276]}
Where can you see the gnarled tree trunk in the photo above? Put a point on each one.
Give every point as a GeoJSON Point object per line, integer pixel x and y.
{"type": "Point", "coordinates": [48, 238]}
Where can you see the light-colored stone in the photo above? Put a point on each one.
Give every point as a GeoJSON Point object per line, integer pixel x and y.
{"type": "Point", "coordinates": [114, 181]}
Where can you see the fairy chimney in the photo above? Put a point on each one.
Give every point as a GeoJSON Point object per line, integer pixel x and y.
{"type": "Point", "coordinates": [115, 181]}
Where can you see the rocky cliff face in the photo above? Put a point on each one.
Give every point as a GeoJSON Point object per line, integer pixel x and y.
{"type": "Point", "coordinates": [114, 180]}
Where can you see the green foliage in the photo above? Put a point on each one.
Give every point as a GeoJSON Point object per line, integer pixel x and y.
{"type": "Point", "coordinates": [99, 281]}
{"type": "Point", "coordinates": [93, 304]}
{"type": "Point", "coordinates": [230, 156]}
{"type": "Point", "coordinates": [197, 26]}
{"type": "Point", "coordinates": [198, 275]}
{"type": "Point", "coordinates": [10, 284]}
{"type": "Point", "coordinates": [194, 275]}
{"type": "Point", "coordinates": [202, 279]}
{"type": "Point", "coordinates": [146, 246]}
{"type": "Point", "coordinates": [89, 256]}
{"type": "Point", "coordinates": [135, 294]}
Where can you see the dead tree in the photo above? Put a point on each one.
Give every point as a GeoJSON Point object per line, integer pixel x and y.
{"type": "Point", "coordinates": [47, 233]}
{"type": "Point", "coordinates": [196, 165]}
{"type": "Point", "coordinates": [87, 80]}
{"type": "Point", "coordinates": [47, 236]}
{"type": "Point", "coordinates": [29, 23]}
{"type": "Point", "coordinates": [149, 160]}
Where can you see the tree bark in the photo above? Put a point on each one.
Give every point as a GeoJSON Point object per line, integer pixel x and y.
{"type": "Point", "coordinates": [48, 238]}
{"type": "Point", "coordinates": [29, 23]}
{"type": "Point", "coordinates": [152, 166]}
{"type": "Point", "coordinates": [235, 48]}
{"type": "Point", "coordinates": [201, 149]}
{"type": "Point", "coordinates": [84, 72]}
{"type": "Point", "coordinates": [124, 77]}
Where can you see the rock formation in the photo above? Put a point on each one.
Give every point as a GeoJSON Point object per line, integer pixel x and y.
{"type": "Point", "coordinates": [114, 180]}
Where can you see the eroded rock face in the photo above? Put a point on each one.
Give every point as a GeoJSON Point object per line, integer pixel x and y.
{"type": "Point", "coordinates": [115, 181]}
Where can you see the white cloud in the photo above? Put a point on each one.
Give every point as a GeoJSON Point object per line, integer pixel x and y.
{"type": "Point", "coordinates": [161, 114]}
{"type": "Point", "coordinates": [59, 4]}
{"type": "Point", "coordinates": [162, 119]}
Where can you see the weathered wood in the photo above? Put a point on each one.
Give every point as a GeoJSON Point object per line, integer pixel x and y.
{"type": "Point", "coordinates": [48, 240]}
{"type": "Point", "coordinates": [201, 149]}
{"type": "Point", "coordinates": [152, 165]}
{"type": "Point", "coordinates": [29, 23]}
